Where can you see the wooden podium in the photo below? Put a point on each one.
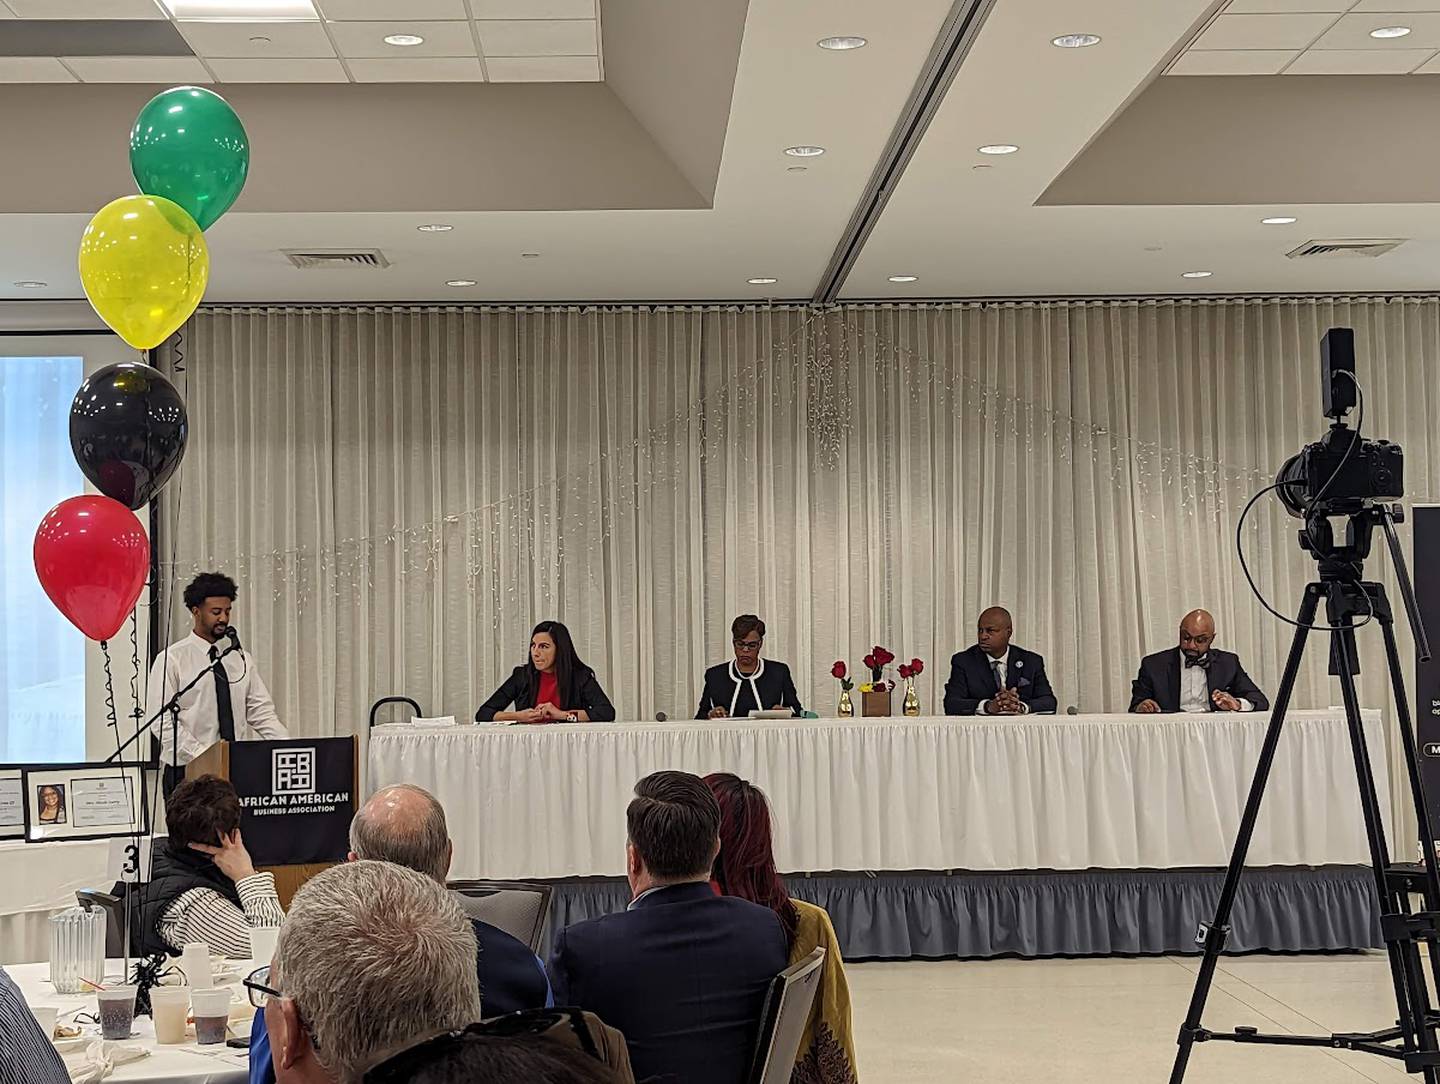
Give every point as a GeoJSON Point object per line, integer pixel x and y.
{"type": "Point", "coordinates": [265, 835]}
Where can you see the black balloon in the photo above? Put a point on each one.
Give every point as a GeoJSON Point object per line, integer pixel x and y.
{"type": "Point", "coordinates": [128, 430]}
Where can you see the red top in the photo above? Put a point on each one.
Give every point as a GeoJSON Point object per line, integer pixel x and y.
{"type": "Point", "coordinates": [549, 691]}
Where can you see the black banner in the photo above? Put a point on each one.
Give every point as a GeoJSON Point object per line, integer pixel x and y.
{"type": "Point", "coordinates": [1425, 525]}
{"type": "Point", "coordinates": [296, 798]}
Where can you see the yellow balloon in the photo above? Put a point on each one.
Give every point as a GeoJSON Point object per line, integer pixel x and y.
{"type": "Point", "coordinates": [144, 265]}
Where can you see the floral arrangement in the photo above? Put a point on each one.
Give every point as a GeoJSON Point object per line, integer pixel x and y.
{"type": "Point", "coordinates": [875, 662]}
{"type": "Point", "coordinates": [841, 673]}
{"type": "Point", "coordinates": [913, 669]}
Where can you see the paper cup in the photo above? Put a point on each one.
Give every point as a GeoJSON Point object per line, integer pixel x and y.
{"type": "Point", "coordinates": [46, 1016]}
{"type": "Point", "coordinates": [262, 944]}
{"type": "Point", "coordinates": [195, 962]}
{"type": "Point", "coordinates": [169, 1008]}
{"type": "Point", "coordinates": [212, 1015]}
{"type": "Point", "coordinates": [117, 1011]}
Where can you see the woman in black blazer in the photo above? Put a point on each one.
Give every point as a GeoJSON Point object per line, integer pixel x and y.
{"type": "Point", "coordinates": [750, 682]}
{"type": "Point", "coordinates": [553, 687]}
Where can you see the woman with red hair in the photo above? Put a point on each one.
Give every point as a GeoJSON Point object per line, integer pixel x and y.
{"type": "Point", "coordinates": [745, 867]}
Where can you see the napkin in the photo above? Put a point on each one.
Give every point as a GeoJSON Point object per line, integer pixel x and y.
{"type": "Point", "coordinates": [99, 1060]}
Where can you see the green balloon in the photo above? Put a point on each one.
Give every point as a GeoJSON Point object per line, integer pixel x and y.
{"type": "Point", "coordinates": [190, 147]}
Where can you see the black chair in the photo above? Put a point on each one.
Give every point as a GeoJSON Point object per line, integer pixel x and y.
{"type": "Point", "coordinates": [375, 707]}
{"type": "Point", "coordinates": [783, 1019]}
{"type": "Point", "coordinates": [517, 907]}
{"type": "Point", "coordinates": [114, 908]}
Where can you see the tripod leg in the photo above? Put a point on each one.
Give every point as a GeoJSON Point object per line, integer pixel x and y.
{"type": "Point", "coordinates": [1217, 931]}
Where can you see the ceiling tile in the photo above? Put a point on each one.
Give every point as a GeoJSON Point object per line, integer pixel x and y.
{"type": "Point", "coordinates": [33, 69]}
{"type": "Point", "coordinates": [86, 9]}
{"type": "Point", "coordinates": [1430, 67]}
{"type": "Point", "coordinates": [355, 10]}
{"type": "Point", "coordinates": [1359, 61]}
{"type": "Point", "coordinates": [1294, 31]}
{"type": "Point", "coordinates": [368, 39]}
{"type": "Point", "coordinates": [282, 70]}
{"type": "Point", "coordinates": [418, 69]}
{"type": "Point", "coordinates": [537, 37]}
{"type": "Point", "coordinates": [533, 9]}
{"type": "Point", "coordinates": [1353, 32]}
{"type": "Point", "coordinates": [543, 69]}
{"type": "Point", "coordinates": [138, 69]}
{"type": "Point", "coordinates": [1253, 7]}
{"type": "Point", "coordinates": [1232, 62]}
{"type": "Point", "coordinates": [237, 39]}
{"type": "Point", "coordinates": [1396, 5]}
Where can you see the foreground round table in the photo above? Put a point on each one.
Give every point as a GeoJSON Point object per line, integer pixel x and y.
{"type": "Point", "coordinates": [187, 1062]}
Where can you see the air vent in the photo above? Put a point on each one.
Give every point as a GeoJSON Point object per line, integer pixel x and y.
{"type": "Point", "coordinates": [365, 259]}
{"type": "Point", "coordinates": [1345, 248]}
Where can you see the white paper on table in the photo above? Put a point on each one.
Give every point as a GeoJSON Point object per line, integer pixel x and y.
{"type": "Point", "coordinates": [437, 720]}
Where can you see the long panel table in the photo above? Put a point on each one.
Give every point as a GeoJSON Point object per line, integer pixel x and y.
{"type": "Point", "coordinates": [1025, 820]}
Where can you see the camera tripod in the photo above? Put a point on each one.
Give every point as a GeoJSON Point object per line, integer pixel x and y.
{"type": "Point", "coordinates": [1348, 600]}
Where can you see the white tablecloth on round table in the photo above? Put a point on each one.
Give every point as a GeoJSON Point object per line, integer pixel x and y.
{"type": "Point", "coordinates": [187, 1062]}
{"type": "Point", "coordinates": [36, 881]}
{"type": "Point", "coordinates": [1063, 793]}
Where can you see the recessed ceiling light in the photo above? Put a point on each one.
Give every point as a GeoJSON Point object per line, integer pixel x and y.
{"type": "Point", "coordinates": [1197, 274]}
{"type": "Point", "coordinates": [982, 165]}
{"type": "Point", "coordinates": [242, 11]}
{"type": "Point", "coordinates": [1075, 41]}
{"type": "Point", "coordinates": [460, 282]}
{"type": "Point", "coordinates": [1389, 31]}
{"type": "Point", "coordinates": [31, 284]}
{"type": "Point", "coordinates": [804, 151]}
{"type": "Point", "coordinates": [998, 148]}
{"type": "Point", "coordinates": [904, 278]}
{"type": "Point", "coordinates": [435, 227]}
{"type": "Point", "coordinates": [260, 39]}
{"type": "Point", "coordinates": [404, 39]}
{"type": "Point", "coordinates": [1278, 220]}
{"type": "Point", "coordinates": [841, 43]}
{"type": "Point", "coordinates": [761, 281]}
{"type": "Point", "coordinates": [796, 169]}
{"type": "Point", "coordinates": [529, 255]}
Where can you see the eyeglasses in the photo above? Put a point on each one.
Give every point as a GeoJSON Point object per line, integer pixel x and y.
{"type": "Point", "coordinates": [256, 988]}
{"type": "Point", "coordinates": [403, 1064]}
{"type": "Point", "coordinates": [748, 645]}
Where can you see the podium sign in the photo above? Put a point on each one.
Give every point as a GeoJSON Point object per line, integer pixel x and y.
{"type": "Point", "coordinates": [296, 798]}
{"type": "Point", "coordinates": [1425, 527]}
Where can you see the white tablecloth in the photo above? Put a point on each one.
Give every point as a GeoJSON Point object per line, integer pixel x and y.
{"type": "Point", "coordinates": [1064, 793]}
{"type": "Point", "coordinates": [186, 1062]}
{"type": "Point", "coordinates": [36, 881]}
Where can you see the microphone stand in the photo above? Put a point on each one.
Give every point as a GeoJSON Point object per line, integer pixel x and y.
{"type": "Point", "coordinates": [172, 706]}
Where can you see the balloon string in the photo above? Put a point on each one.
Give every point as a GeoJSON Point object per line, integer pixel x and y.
{"type": "Point", "coordinates": [109, 687]}
{"type": "Point", "coordinates": [136, 712]}
{"type": "Point", "coordinates": [177, 350]}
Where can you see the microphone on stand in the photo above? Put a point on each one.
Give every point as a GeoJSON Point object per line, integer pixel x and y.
{"type": "Point", "coordinates": [234, 637]}
{"type": "Point", "coordinates": [661, 717]}
{"type": "Point", "coordinates": [1072, 710]}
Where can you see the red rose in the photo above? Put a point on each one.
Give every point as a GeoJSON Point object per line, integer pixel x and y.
{"type": "Point", "coordinates": [884, 657]}
{"type": "Point", "coordinates": [870, 663]}
{"type": "Point", "coordinates": [904, 672]}
{"type": "Point", "coordinates": [917, 667]}
{"type": "Point", "coordinates": [838, 670]}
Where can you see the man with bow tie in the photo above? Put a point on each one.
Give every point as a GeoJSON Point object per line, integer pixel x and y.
{"type": "Point", "coordinates": [1197, 677]}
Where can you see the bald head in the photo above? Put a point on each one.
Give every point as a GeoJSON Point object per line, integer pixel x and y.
{"type": "Point", "coordinates": [1197, 633]}
{"type": "Point", "coordinates": [403, 824]}
{"type": "Point", "coordinates": [993, 631]}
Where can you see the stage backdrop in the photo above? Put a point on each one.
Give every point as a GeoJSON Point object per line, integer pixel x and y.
{"type": "Point", "coordinates": [402, 492]}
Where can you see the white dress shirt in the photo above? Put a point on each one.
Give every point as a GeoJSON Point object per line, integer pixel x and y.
{"type": "Point", "coordinates": [1003, 665]}
{"type": "Point", "coordinates": [1195, 689]}
{"type": "Point", "coordinates": [250, 701]}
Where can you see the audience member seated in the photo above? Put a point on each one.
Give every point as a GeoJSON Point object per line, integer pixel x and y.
{"type": "Point", "coordinates": [405, 824]}
{"type": "Point", "coordinates": [682, 972]}
{"type": "Point", "coordinates": [471, 1055]}
{"type": "Point", "coordinates": [27, 1056]}
{"type": "Point", "coordinates": [746, 868]}
{"type": "Point", "coordinates": [372, 957]}
{"type": "Point", "coordinates": [203, 886]}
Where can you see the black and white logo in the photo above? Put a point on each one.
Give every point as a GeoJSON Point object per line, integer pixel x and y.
{"type": "Point", "coordinates": [293, 771]}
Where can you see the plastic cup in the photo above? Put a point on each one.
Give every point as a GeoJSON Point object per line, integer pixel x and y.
{"type": "Point", "coordinates": [262, 944]}
{"type": "Point", "coordinates": [195, 962]}
{"type": "Point", "coordinates": [211, 1009]}
{"type": "Point", "coordinates": [169, 1007]}
{"type": "Point", "coordinates": [46, 1016]}
{"type": "Point", "coordinates": [117, 1011]}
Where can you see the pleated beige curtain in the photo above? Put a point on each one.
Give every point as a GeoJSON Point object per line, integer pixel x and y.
{"type": "Point", "coordinates": [403, 492]}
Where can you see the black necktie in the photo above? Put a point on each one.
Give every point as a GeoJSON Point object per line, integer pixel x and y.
{"type": "Point", "coordinates": [226, 712]}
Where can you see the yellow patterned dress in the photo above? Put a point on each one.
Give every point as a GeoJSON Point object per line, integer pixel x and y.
{"type": "Point", "coordinates": [827, 1051]}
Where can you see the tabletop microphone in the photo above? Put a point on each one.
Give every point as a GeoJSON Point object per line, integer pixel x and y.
{"type": "Point", "coordinates": [661, 717]}
{"type": "Point", "coordinates": [1072, 710]}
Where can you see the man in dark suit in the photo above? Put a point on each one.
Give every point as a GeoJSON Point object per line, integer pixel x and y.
{"type": "Point", "coordinates": [996, 678]}
{"type": "Point", "coordinates": [682, 972]}
{"type": "Point", "coordinates": [1197, 677]}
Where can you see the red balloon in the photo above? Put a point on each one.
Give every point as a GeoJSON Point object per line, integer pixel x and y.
{"type": "Point", "coordinates": [92, 557]}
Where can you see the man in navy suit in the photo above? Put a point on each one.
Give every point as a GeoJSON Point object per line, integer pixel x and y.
{"type": "Point", "coordinates": [1197, 677]}
{"type": "Point", "coordinates": [994, 677]}
{"type": "Point", "coordinates": [682, 972]}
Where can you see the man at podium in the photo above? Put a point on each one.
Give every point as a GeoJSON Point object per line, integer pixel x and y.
{"type": "Point", "coordinates": [230, 703]}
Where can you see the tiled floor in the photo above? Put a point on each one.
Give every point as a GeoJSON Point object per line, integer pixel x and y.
{"type": "Point", "coordinates": [1113, 1021]}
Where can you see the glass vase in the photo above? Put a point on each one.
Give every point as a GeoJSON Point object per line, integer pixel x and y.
{"type": "Point", "coordinates": [846, 710]}
{"type": "Point", "coordinates": [911, 707]}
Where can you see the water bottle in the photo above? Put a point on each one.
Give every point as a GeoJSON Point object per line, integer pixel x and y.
{"type": "Point", "coordinates": [77, 950]}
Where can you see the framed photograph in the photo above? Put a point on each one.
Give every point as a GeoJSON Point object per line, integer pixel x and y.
{"type": "Point", "coordinates": [12, 802]}
{"type": "Point", "coordinates": [83, 801]}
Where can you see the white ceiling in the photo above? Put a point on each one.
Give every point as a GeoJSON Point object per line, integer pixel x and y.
{"type": "Point", "coordinates": [963, 231]}
{"type": "Point", "coordinates": [464, 40]}
{"type": "Point", "coordinates": [1315, 37]}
